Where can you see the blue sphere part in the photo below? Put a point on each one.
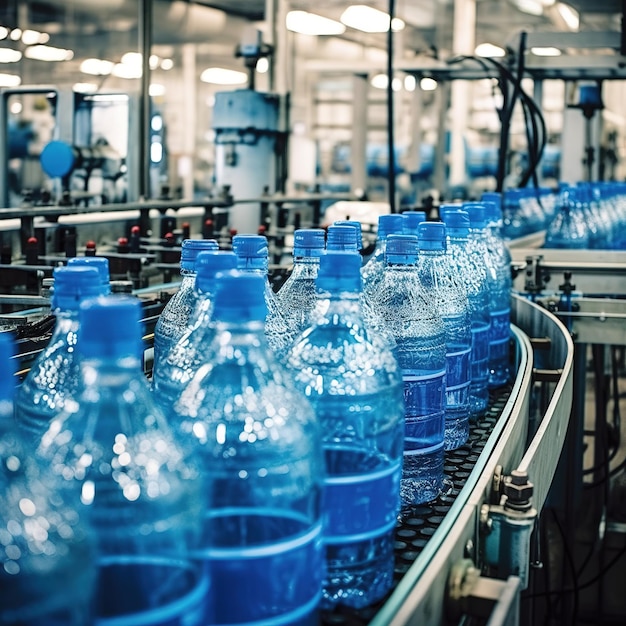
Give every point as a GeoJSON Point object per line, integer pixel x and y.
{"type": "Point", "coordinates": [239, 297]}
{"type": "Point", "coordinates": [308, 242]}
{"type": "Point", "coordinates": [110, 327]}
{"type": "Point", "coordinates": [190, 250]}
{"type": "Point", "coordinates": [57, 159]}
{"type": "Point", "coordinates": [340, 270]}
{"type": "Point", "coordinates": [209, 263]}
{"type": "Point", "coordinates": [99, 262]}
{"type": "Point", "coordinates": [75, 283]}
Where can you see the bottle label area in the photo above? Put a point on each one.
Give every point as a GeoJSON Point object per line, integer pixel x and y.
{"type": "Point", "coordinates": [500, 322]}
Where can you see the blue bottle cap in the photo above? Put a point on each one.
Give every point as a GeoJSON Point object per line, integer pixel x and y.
{"type": "Point", "coordinates": [239, 297]}
{"type": "Point", "coordinates": [340, 270]}
{"type": "Point", "coordinates": [431, 236]}
{"type": "Point", "coordinates": [492, 196]}
{"type": "Point", "coordinates": [252, 252]}
{"type": "Point", "coordinates": [448, 208]}
{"type": "Point", "coordinates": [390, 224]}
{"type": "Point", "coordinates": [75, 283]}
{"type": "Point", "coordinates": [412, 219]}
{"type": "Point", "coordinates": [401, 249]}
{"type": "Point", "coordinates": [110, 327]}
{"type": "Point", "coordinates": [57, 159]}
{"type": "Point", "coordinates": [457, 223]}
{"type": "Point", "coordinates": [191, 249]}
{"type": "Point", "coordinates": [99, 262]}
{"type": "Point", "coordinates": [308, 242]}
{"type": "Point", "coordinates": [342, 237]}
{"type": "Point", "coordinates": [493, 213]}
{"type": "Point", "coordinates": [209, 263]}
{"type": "Point", "coordinates": [357, 226]}
{"type": "Point", "coordinates": [7, 368]}
{"type": "Point", "coordinates": [477, 214]}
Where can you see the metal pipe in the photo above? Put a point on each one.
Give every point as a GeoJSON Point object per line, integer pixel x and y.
{"type": "Point", "coordinates": [145, 8]}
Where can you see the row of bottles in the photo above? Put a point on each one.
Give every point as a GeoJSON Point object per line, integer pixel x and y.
{"type": "Point", "coordinates": [261, 476]}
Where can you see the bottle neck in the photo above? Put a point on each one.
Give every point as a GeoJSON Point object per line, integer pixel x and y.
{"type": "Point", "coordinates": [110, 371]}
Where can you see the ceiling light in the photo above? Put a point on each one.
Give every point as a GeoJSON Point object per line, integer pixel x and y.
{"type": "Point", "coordinates": [156, 89]}
{"type": "Point", "coordinates": [154, 61]}
{"type": "Point", "coordinates": [489, 50]}
{"type": "Point", "coordinates": [4, 32]}
{"type": "Point", "coordinates": [132, 58]}
{"type": "Point", "coordinates": [222, 76]}
{"type": "Point", "coordinates": [96, 67]}
{"type": "Point", "coordinates": [547, 51]}
{"type": "Point", "coordinates": [409, 83]}
{"type": "Point", "coordinates": [262, 65]}
{"type": "Point", "coordinates": [570, 15]}
{"type": "Point", "coordinates": [167, 64]}
{"type": "Point", "coordinates": [380, 81]}
{"type": "Point", "coordinates": [16, 33]}
{"type": "Point", "coordinates": [16, 108]}
{"type": "Point", "coordinates": [365, 18]}
{"type": "Point", "coordinates": [85, 87]}
{"type": "Point", "coordinates": [8, 55]}
{"type": "Point", "coordinates": [397, 24]}
{"type": "Point", "coordinates": [311, 24]}
{"type": "Point", "coordinates": [9, 80]}
{"type": "Point", "coordinates": [31, 37]}
{"type": "Point", "coordinates": [48, 53]}
{"type": "Point", "coordinates": [532, 7]}
{"type": "Point", "coordinates": [126, 70]}
{"type": "Point", "coordinates": [428, 84]}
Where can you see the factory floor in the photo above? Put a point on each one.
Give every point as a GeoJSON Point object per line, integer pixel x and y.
{"type": "Point", "coordinates": [583, 547]}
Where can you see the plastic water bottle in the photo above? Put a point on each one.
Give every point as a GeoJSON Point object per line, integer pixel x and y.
{"type": "Point", "coordinates": [188, 354]}
{"type": "Point", "coordinates": [54, 376]}
{"type": "Point", "coordinates": [474, 277]}
{"type": "Point", "coordinates": [253, 257]}
{"type": "Point", "coordinates": [412, 220]}
{"type": "Point", "coordinates": [260, 444]}
{"type": "Point", "coordinates": [372, 271]}
{"type": "Point", "coordinates": [450, 299]}
{"type": "Point", "coordinates": [100, 263]}
{"type": "Point", "coordinates": [357, 226]}
{"type": "Point", "coordinates": [409, 316]}
{"type": "Point", "coordinates": [599, 230]}
{"type": "Point", "coordinates": [568, 228]}
{"type": "Point", "coordinates": [514, 225]}
{"type": "Point", "coordinates": [47, 574]}
{"type": "Point", "coordinates": [136, 484]}
{"type": "Point", "coordinates": [342, 237]}
{"type": "Point", "coordinates": [297, 296]}
{"type": "Point", "coordinates": [499, 285]}
{"type": "Point", "coordinates": [355, 387]}
{"type": "Point", "coordinates": [172, 322]}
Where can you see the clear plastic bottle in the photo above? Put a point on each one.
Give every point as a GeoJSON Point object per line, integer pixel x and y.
{"type": "Point", "coordinates": [474, 277]}
{"type": "Point", "coordinates": [499, 287]}
{"type": "Point", "coordinates": [568, 228]}
{"type": "Point", "coordinates": [253, 256]}
{"type": "Point", "coordinates": [100, 263]}
{"type": "Point", "coordinates": [408, 315]}
{"type": "Point", "coordinates": [373, 270]}
{"type": "Point", "coordinates": [189, 352]}
{"type": "Point", "coordinates": [172, 322]}
{"type": "Point", "coordinates": [137, 485]}
{"type": "Point", "coordinates": [297, 296]}
{"type": "Point", "coordinates": [48, 574]}
{"type": "Point", "coordinates": [449, 296]}
{"type": "Point", "coordinates": [514, 225]}
{"type": "Point", "coordinates": [355, 387]}
{"type": "Point", "coordinates": [53, 377]}
{"type": "Point", "coordinates": [262, 454]}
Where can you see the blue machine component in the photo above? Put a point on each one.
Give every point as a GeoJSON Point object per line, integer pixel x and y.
{"type": "Point", "coordinates": [246, 130]}
{"type": "Point", "coordinates": [57, 159]}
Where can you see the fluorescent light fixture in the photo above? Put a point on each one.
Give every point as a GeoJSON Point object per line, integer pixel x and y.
{"type": "Point", "coordinates": [85, 87]}
{"type": "Point", "coordinates": [48, 53]}
{"type": "Point", "coordinates": [154, 61]}
{"type": "Point", "coordinates": [9, 80]}
{"type": "Point", "coordinates": [96, 67]}
{"type": "Point", "coordinates": [547, 51]}
{"type": "Point", "coordinates": [16, 108]}
{"type": "Point", "coordinates": [108, 97]}
{"type": "Point", "coordinates": [365, 18]}
{"type": "Point", "coordinates": [132, 58]}
{"type": "Point", "coordinates": [156, 89]}
{"type": "Point", "coordinates": [397, 24]}
{"type": "Point", "coordinates": [262, 65]}
{"type": "Point", "coordinates": [410, 83]}
{"type": "Point", "coordinates": [379, 81]}
{"type": "Point", "coordinates": [569, 14]}
{"type": "Point", "coordinates": [31, 37]}
{"type": "Point", "coordinates": [489, 50]}
{"type": "Point", "coordinates": [126, 70]}
{"type": "Point", "coordinates": [532, 7]}
{"type": "Point", "coordinates": [222, 76]}
{"type": "Point", "coordinates": [4, 32]}
{"type": "Point", "coordinates": [167, 64]}
{"type": "Point", "coordinates": [428, 84]}
{"type": "Point", "coordinates": [8, 55]}
{"type": "Point", "coordinates": [306, 23]}
{"type": "Point", "coordinates": [16, 33]}
{"type": "Point", "coordinates": [548, 3]}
